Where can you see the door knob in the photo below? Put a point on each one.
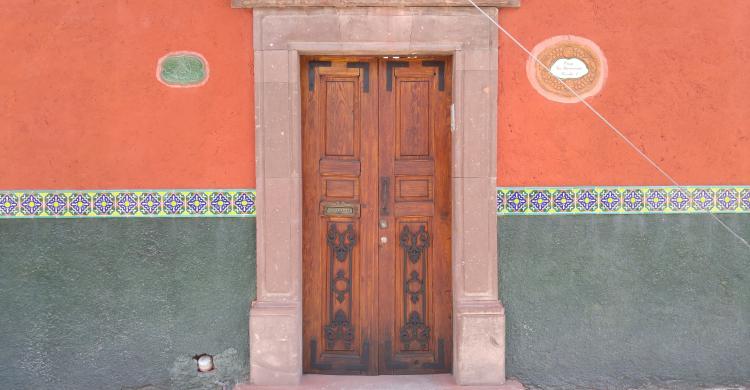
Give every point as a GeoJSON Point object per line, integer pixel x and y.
{"type": "Point", "coordinates": [383, 224]}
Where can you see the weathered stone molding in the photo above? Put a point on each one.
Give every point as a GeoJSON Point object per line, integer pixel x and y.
{"type": "Point", "coordinates": [280, 36]}
{"type": "Point", "coordinates": [372, 3]}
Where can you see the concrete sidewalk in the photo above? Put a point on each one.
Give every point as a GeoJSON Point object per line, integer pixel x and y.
{"type": "Point", "coordinates": [383, 382]}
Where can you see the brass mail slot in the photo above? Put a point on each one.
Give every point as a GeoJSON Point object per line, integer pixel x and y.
{"type": "Point", "coordinates": [339, 209]}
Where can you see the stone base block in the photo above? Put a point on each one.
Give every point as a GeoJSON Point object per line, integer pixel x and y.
{"type": "Point", "coordinates": [480, 343]}
{"type": "Point", "coordinates": [275, 344]}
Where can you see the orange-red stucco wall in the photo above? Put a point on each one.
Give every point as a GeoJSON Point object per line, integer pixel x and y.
{"type": "Point", "coordinates": [678, 85]}
{"type": "Point", "coordinates": [81, 108]}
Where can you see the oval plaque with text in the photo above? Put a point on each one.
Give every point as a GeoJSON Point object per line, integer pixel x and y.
{"type": "Point", "coordinates": [569, 66]}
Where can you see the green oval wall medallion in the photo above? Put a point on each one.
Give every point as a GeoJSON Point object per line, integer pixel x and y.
{"type": "Point", "coordinates": [183, 69]}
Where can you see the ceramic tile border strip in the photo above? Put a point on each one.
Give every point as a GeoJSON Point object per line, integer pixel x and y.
{"type": "Point", "coordinates": [127, 204]}
{"type": "Point", "coordinates": [622, 200]}
{"type": "Point", "coordinates": [242, 203]}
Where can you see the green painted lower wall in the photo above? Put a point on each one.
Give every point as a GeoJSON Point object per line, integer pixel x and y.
{"type": "Point", "coordinates": [591, 301]}
{"type": "Point", "coordinates": [600, 302]}
{"type": "Point", "coordinates": [124, 303]}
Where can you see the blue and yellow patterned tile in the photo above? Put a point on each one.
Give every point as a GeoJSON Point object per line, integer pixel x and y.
{"type": "Point", "coordinates": [80, 204]}
{"type": "Point", "coordinates": [516, 201]}
{"type": "Point", "coordinates": [104, 203]}
{"type": "Point", "coordinates": [679, 200]}
{"type": "Point", "coordinates": [656, 200]}
{"type": "Point", "coordinates": [500, 199]}
{"type": "Point", "coordinates": [244, 203]}
{"type": "Point", "coordinates": [540, 201]}
{"type": "Point", "coordinates": [220, 202]}
{"type": "Point", "coordinates": [703, 199]}
{"type": "Point", "coordinates": [610, 200]}
{"type": "Point", "coordinates": [197, 203]}
{"type": "Point", "coordinates": [633, 200]}
{"type": "Point", "coordinates": [563, 200]}
{"type": "Point", "coordinates": [150, 203]}
{"type": "Point", "coordinates": [126, 203]}
{"type": "Point", "coordinates": [31, 204]}
{"type": "Point", "coordinates": [8, 204]}
{"type": "Point", "coordinates": [727, 199]}
{"type": "Point", "coordinates": [174, 203]}
{"type": "Point", "coordinates": [745, 199]}
{"type": "Point", "coordinates": [56, 204]}
{"type": "Point", "coordinates": [587, 200]}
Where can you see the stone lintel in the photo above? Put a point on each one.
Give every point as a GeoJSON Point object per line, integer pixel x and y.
{"type": "Point", "coordinates": [372, 3]}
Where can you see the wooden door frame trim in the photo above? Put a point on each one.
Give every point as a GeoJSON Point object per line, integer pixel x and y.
{"type": "Point", "coordinates": [280, 36]}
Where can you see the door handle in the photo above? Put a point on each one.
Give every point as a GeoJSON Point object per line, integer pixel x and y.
{"type": "Point", "coordinates": [384, 194]}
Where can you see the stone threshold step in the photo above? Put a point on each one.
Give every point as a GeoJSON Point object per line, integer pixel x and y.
{"type": "Point", "coordinates": [382, 382]}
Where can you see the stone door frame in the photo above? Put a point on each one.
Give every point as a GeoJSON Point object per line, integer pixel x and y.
{"type": "Point", "coordinates": [280, 36]}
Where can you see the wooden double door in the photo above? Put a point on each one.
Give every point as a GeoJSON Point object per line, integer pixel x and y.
{"type": "Point", "coordinates": [377, 215]}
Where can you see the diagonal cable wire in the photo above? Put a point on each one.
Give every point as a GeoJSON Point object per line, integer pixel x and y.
{"type": "Point", "coordinates": [606, 122]}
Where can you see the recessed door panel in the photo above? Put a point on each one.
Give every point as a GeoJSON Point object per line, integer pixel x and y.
{"type": "Point", "coordinates": [413, 123]}
{"type": "Point", "coordinates": [341, 112]}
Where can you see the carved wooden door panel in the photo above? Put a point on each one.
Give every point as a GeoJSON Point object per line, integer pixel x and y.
{"type": "Point", "coordinates": [377, 212]}
{"type": "Point", "coordinates": [339, 177]}
{"type": "Point", "coordinates": [414, 174]}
